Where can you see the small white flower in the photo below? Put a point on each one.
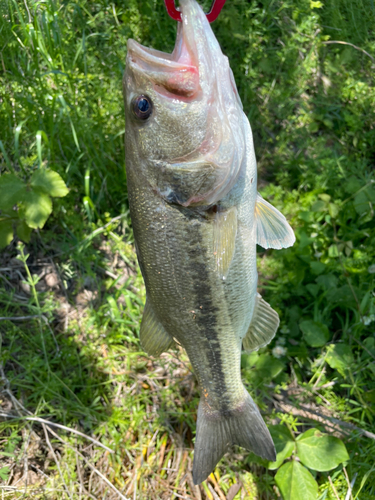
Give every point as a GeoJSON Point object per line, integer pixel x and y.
{"type": "Point", "coordinates": [278, 351]}
{"type": "Point", "coordinates": [318, 254]}
{"type": "Point", "coordinates": [371, 269]}
{"type": "Point", "coordinates": [368, 319]}
{"type": "Point", "coordinates": [284, 329]}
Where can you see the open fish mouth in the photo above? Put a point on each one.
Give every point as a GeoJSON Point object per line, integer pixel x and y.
{"type": "Point", "coordinates": [175, 74]}
{"type": "Point", "coordinates": [196, 74]}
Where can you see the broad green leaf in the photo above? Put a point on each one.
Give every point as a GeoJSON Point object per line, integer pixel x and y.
{"type": "Point", "coordinates": [268, 367]}
{"type": "Point", "coordinates": [325, 197]}
{"type": "Point", "coordinates": [6, 232]}
{"type": "Point", "coordinates": [333, 210]}
{"type": "Point", "coordinates": [317, 267]}
{"type": "Point", "coordinates": [364, 200]}
{"type": "Point", "coordinates": [319, 206]}
{"type": "Point", "coordinates": [352, 185]}
{"type": "Point", "coordinates": [343, 295]}
{"type": "Point", "coordinates": [49, 182]}
{"type": "Point", "coordinates": [284, 444]}
{"type": "Point", "coordinates": [316, 334]}
{"type": "Point", "coordinates": [295, 482]}
{"type": "Point", "coordinates": [23, 231]}
{"type": "Point", "coordinates": [339, 356]}
{"type": "Point", "coordinates": [333, 251]}
{"type": "Point", "coordinates": [38, 207]}
{"type": "Point", "coordinates": [320, 451]}
{"type": "Point", "coordinates": [316, 4]}
{"type": "Point", "coordinates": [327, 281]}
{"type": "Point", "coordinates": [12, 191]}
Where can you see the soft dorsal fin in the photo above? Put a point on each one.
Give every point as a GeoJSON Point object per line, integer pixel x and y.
{"type": "Point", "coordinates": [225, 230]}
{"type": "Point", "coordinates": [263, 326]}
{"type": "Point", "coordinates": [273, 230]}
{"type": "Point", "coordinates": [154, 338]}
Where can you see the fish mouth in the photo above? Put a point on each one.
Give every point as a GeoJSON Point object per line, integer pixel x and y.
{"type": "Point", "coordinates": [176, 73]}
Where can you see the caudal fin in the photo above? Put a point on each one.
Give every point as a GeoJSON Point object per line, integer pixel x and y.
{"type": "Point", "coordinates": [216, 432]}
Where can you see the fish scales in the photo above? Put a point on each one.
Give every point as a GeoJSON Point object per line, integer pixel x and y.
{"type": "Point", "coordinates": [196, 215]}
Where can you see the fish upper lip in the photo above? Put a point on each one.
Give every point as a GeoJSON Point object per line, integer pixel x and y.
{"type": "Point", "coordinates": [152, 58]}
{"type": "Point", "coordinates": [149, 55]}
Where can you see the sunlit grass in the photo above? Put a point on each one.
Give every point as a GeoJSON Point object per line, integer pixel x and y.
{"type": "Point", "coordinates": [76, 358]}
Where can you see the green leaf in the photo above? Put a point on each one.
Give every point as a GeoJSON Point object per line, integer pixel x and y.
{"type": "Point", "coordinates": [12, 190]}
{"type": "Point", "coordinates": [49, 182]}
{"type": "Point", "coordinates": [320, 452]}
{"type": "Point", "coordinates": [353, 185]}
{"type": "Point", "coordinates": [268, 367]}
{"type": "Point", "coordinates": [315, 4]}
{"type": "Point", "coordinates": [284, 444]}
{"type": "Point", "coordinates": [333, 251]}
{"type": "Point", "coordinates": [317, 267]}
{"type": "Point", "coordinates": [6, 232]}
{"type": "Point", "coordinates": [38, 207]}
{"type": "Point", "coordinates": [327, 281]}
{"type": "Point", "coordinates": [364, 200]}
{"type": "Point", "coordinates": [319, 206]}
{"type": "Point", "coordinates": [339, 356]}
{"type": "Point", "coordinates": [315, 334]}
{"type": "Point", "coordinates": [23, 231]}
{"type": "Point", "coordinates": [4, 473]}
{"type": "Point", "coordinates": [295, 482]}
{"type": "Point", "coordinates": [333, 210]}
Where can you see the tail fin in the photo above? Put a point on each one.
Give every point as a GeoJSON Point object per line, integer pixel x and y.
{"type": "Point", "coordinates": [216, 432]}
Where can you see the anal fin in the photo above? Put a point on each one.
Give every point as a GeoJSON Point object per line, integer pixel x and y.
{"type": "Point", "coordinates": [154, 338]}
{"type": "Point", "coordinates": [263, 326]}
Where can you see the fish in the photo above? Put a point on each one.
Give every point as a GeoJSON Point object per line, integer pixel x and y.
{"type": "Point", "coordinates": [197, 218]}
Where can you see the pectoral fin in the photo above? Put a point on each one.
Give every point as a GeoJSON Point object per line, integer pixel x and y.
{"type": "Point", "coordinates": [154, 338]}
{"type": "Point", "coordinates": [225, 230]}
{"type": "Point", "coordinates": [263, 326]}
{"type": "Point", "coordinates": [273, 230]}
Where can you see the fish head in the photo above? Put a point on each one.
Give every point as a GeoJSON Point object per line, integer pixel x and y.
{"type": "Point", "coordinates": [185, 129]}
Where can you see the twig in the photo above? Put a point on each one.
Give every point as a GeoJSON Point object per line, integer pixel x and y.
{"type": "Point", "coordinates": [349, 495]}
{"type": "Point", "coordinates": [122, 497]}
{"type": "Point", "coordinates": [333, 488]}
{"type": "Point", "coordinates": [329, 42]}
{"type": "Point", "coordinates": [69, 429]}
{"type": "Point", "coordinates": [81, 480]}
{"type": "Point", "coordinates": [213, 492]}
{"type": "Point", "coordinates": [56, 460]}
{"type": "Point", "coordinates": [17, 318]}
{"type": "Point", "coordinates": [314, 415]}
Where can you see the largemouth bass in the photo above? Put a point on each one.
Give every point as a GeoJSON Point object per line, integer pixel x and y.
{"type": "Point", "coordinates": [197, 217]}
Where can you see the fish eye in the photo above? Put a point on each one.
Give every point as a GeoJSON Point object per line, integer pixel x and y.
{"type": "Point", "coordinates": [142, 107]}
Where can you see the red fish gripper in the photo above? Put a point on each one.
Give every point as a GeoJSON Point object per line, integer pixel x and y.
{"type": "Point", "coordinates": [215, 10]}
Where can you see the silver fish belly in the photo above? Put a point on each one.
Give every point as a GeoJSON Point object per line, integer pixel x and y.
{"type": "Point", "coordinates": [197, 218]}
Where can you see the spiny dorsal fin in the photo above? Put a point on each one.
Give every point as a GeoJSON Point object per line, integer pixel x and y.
{"type": "Point", "coordinates": [263, 326]}
{"type": "Point", "coordinates": [225, 230]}
{"type": "Point", "coordinates": [154, 338]}
{"type": "Point", "coordinates": [273, 230]}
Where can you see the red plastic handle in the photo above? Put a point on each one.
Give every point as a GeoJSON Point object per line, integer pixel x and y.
{"type": "Point", "coordinates": [215, 10]}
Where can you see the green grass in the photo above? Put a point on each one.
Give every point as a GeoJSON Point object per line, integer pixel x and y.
{"type": "Point", "coordinates": [76, 360]}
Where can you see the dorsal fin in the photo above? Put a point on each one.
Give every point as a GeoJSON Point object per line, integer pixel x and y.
{"type": "Point", "coordinates": [225, 230]}
{"type": "Point", "coordinates": [273, 230]}
{"type": "Point", "coordinates": [154, 338]}
{"type": "Point", "coordinates": [263, 326]}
